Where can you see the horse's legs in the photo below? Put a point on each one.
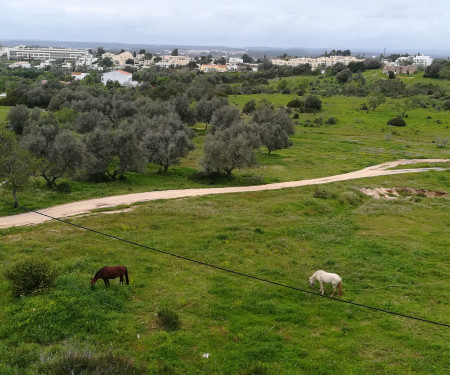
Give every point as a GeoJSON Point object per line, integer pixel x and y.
{"type": "Point", "coordinates": [121, 279]}
{"type": "Point", "coordinates": [334, 289]}
{"type": "Point", "coordinates": [321, 286]}
{"type": "Point", "coordinates": [106, 282]}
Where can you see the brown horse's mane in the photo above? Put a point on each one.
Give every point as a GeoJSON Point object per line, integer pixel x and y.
{"type": "Point", "coordinates": [97, 275]}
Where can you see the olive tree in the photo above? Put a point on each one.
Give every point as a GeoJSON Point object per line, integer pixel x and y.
{"type": "Point", "coordinates": [224, 117]}
{"type": "Point", "coordinates": [374, 100]}
{"type": "Point", "coordinates": [167, 140]}
{"type": "Point", "coordinates": [18, 118]}
{"type": "Point", "coordinates": [274, 128]}
{"type": "Point", "coordinates": [230, 148]}
{"type": "Point", "coordinates": [112, 152]}
{"type": "Point", "coordinates": [17, 165]}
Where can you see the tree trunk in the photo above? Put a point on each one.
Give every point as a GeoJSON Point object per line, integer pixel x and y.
{"type": "Point", "coordinates": [16, 201]}
{"type": "Point", "coordinates": [51, 182]}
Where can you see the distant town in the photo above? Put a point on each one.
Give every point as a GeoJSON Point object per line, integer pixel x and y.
{"type": "Point", "coordinates": [118, 66]}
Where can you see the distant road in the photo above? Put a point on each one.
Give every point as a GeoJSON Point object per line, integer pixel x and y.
{"type": "Point", "coordinates": [82, 207]}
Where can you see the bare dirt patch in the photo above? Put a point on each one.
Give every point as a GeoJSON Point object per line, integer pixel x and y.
{"type": "Point", "coordinates": [396, 192]}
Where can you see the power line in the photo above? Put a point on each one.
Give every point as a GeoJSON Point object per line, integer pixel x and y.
{"type": "Point", "coordinates": [227, 269]}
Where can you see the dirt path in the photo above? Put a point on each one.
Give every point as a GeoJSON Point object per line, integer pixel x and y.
{"type": "Point", "coordinates": [81, 207]}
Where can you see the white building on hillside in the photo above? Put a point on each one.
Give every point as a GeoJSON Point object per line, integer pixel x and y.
{"type": "Point", "coordinates": [422, 60]}
{"type": "Point", "coordinates": [167, 61]}
{"type": "Point", "coordinates": [37, 53]}
{"type": "Point", "coordinates": [235, 60]}
{"type": "Point", "coordinates": [124, 78]}
{"type": "Point", "coordinates": [319, 62]}
{"type": "Point", "coordinates": [20, 64]}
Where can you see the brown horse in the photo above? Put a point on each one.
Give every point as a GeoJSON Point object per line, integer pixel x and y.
{"type": "Point", "coordinates": [107, 273]}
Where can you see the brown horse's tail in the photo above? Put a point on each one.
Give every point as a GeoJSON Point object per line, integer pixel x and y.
{"type": "Point", "coordinates": [126, 276]}
{"type": "Point", "coordinates": [340, 288]}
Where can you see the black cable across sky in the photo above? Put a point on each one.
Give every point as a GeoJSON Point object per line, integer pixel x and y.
{"type": "Point", "coordinates": [226, 269]}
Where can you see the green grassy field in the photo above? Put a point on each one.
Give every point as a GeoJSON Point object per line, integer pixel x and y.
{"type": "Point", "coordinates": [3, 112]}
{"type": "Point", "coordinates": [391, 254]}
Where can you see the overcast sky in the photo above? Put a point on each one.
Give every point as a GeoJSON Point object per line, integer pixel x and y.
{"type": "Point", "coordinates": [377, 24]}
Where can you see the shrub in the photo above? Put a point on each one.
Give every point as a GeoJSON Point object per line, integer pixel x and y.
{"type": "Point", "coordinates": [295, 117]}
{"type": "Point", "coordinates": [441, 142]}
{"type": "Point", "coordinates": [323, 194]}
{"type": "Point", "coordinates": [249, 107]}
{"type": "Point", "coordinates": [318, 121]}
{"type": "Point", "coordinates": [168, 319]}
{"type": "Point", "coordinates": [331, 121]}
{"type": "Point", "coordinates": [30, 276]}
{"type": "Point", "coordinates": [397, 121]}
{"type": "Point", "coordinates": [63, 187]}
{"type": "Point", "coordinates": [88, 364]}
{"type": "Point", "coordinates": [312, 103]}
{"type": "Point", "coordinates": [350, 197]}
{"type": "Point", "coordinates": [295, 103]}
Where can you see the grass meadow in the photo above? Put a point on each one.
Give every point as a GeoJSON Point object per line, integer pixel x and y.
{"type": "Point", "coordinates": [391, 254]}
{"type": "Point", "coordinates": [3, 112]}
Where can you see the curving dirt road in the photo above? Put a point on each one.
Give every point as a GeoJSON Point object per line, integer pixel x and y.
{"type": "Point", "coordinates": [81, 207]}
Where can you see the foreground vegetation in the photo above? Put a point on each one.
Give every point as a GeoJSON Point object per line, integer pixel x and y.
{"type": "Point", "coordinates": [391, 254]}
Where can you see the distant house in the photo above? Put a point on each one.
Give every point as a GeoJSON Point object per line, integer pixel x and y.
{"type": "Point", "coordinates": [235, 60]}
{"type": "Point", "coordinates": [20, 64]}
{"type": "Point", "coordinates": [173, 61]}
{"type": "Point", "coordinates": [79, 76]}
{"type": "Point", "coordinates": [406, 69]}
{"type": "Point", "coordinates": [213, 68]}
{"type": "Point", "coordinates": [422, 60]}
{"type": "Point", "coordinates": [124, 78]}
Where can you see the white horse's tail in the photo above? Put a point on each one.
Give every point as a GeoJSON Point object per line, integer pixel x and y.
{"type": "Point", "coordinates": [340, 288]}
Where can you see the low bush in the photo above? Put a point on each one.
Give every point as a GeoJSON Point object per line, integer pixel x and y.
{"type": "Point", "coordinates": [88, 364]}
{"type": "Point", "coordinates": [397, 121]}
{"type": "Point", "coordinates": [323, 194]}
{"type": "Point", "coordinates": [331, 121]}
{"type": "Point", "coordinates": [168, 319]}
{"type": "Point", "coordinates": [30, 276]}
{"type": "Point", "coordinates": [351, 198]}
{"type": "Point", "coordinates": [63, 187]}
{"type": "Point", "coordinates": [296, 103]}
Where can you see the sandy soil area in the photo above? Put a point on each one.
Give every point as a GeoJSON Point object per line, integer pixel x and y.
{"type": "Point", "coordinates": [82, 207]}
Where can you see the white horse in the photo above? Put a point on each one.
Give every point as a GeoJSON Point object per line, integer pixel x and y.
{"type": "Point", "coordinates": [326, 277]}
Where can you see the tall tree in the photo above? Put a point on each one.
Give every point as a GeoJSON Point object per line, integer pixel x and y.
{"type": "Point", "coordinates": [274, 128]}
{"type": "Point", "coordinates": [167, 140]}
{"type": "Point", "coordinates": [16, 164]}
{"type": "Point", "coordinates": [18, 118]}
{"type": "Point", "coordinates": [374, 100]}
{"type": "Point", "coordinates": [230, 148]}
{"type": "Point", "coordinates": [224, 117]}
{"type": "Point", "coordinates": [247, 59]}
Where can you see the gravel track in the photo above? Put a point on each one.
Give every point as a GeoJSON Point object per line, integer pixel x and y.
{"type": "Point", "coordinates": [85, 206]}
